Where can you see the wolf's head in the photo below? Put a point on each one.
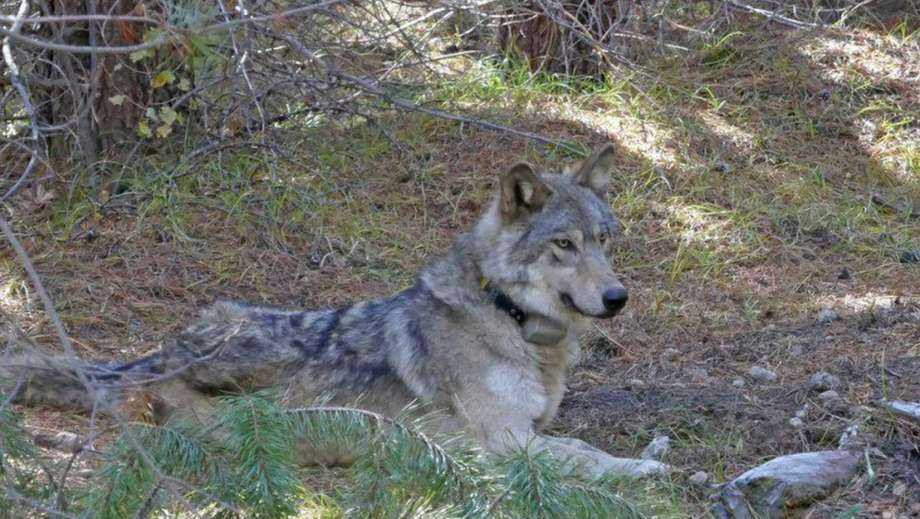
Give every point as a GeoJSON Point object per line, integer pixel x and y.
{"type": "Point", "coordinates": [546, 240]}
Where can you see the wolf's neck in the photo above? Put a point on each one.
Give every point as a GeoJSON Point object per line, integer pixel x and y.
{"type": "Point", "coordinates": [454, 277]}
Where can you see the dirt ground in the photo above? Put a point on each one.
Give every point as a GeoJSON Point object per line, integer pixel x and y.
{"type": "Point", "coordinates": [755, 191]}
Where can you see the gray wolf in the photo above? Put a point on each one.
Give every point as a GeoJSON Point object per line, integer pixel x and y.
{"type": "Point", "coordinates": [485, 334]}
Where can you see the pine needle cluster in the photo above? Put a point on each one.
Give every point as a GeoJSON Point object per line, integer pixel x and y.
{"type": "Point", "coordinates": [16, 451]}
{"type": "Point", "coordinates": [245, 464]}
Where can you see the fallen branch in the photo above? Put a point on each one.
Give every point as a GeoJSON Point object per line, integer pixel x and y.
{"type": "Point", "coordinates": [34, 155]}
{"type": "Point", "coordinates": [772, 16]}
{"type": "Point", "coordinates": [162, 38]}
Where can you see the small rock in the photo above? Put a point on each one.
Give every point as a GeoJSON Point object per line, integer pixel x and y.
{"type": "Point", "coordinates": [761, 374]}
{"type": "Point", "coordinates": [829, 396]}
{"type": "Point", "coordinates": [722, 167]}
{"type": "Point", "coordinates": [670, 354]}
{"type": "Point", "coordinates": [822, 381]}
{"type": "Point", "coordinates": [788, 481]}
{"type": "Point", "coordinates": [699, 374]}
{"type": "Point", "coordinates": [849, 437]}
{"type": "Point", "coordinates": [796, 422]}
{"type": "Point", "coordinates": [699, 478]}
{"type": "Point", "coordinates": [738, 382]}
{"type": "Point", "coordinates": [907, 409]}
{"type": "Point", "coordinates": [900, 488]}
{"type": "Point", "coordinates": [827, 315]}
{"type": "Point", "coordinates": [910, 256]}
{"type": "Point", "coordinates": [635, 383]}
{"type": "Point", "coordinates": [657, 449]}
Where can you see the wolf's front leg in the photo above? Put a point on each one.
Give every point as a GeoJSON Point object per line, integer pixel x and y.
{"type": "Point", "coordinates": [588, 461]}
{"type": "Point", "coordinates": [577, 456]}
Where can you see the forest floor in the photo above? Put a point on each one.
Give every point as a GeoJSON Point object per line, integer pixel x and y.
{"type": "Point", "coordinates": [761, 180]}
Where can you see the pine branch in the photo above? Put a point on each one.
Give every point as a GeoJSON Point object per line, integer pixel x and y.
{"type": "Point", "coordinates": [539, 487]}
{"type": "Point", "coordinates": [15, 450]}
{"type": "Point", "coordinates": [259, 434]}
{"type": "Point", "coordinates": [245, 465]}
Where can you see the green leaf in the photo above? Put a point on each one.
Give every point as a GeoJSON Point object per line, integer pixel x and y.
{"type": "Point", "coordinates": [139, 55]}
{"type": "Point", "coordinates": [163, 131]}
{"type": "Point", "coordinates": [117, 100]}
{"type": "Point", "coordinates": [162, 79]}
{"type": "Point", "coordinates": [152, 113]}
{"type": "Point", "coordinates": [168, 115]}
{"type": "Point", "coordinates": [185, 85]}
{"type": "Point", "coordinates": [143, 130]}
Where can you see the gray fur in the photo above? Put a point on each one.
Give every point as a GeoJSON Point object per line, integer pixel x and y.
{"type": "Point", "coordinates": [441, 342]}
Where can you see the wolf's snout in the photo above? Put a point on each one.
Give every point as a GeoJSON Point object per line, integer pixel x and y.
{"type": "Point", "coordinates": [614, 300]}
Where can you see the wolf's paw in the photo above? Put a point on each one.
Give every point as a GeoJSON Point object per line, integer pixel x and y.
{"type": "Point", "coordinates": [635, 468]}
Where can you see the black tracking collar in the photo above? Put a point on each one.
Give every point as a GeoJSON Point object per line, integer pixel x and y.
{"type": "Point", "coordinates": [503, 302]}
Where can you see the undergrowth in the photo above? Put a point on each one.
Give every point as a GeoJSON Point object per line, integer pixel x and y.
{"type": "Point", "coordinates": [246, 465]}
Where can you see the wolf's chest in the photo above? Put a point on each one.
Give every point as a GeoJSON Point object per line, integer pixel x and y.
{"type": "Point", "coordinates": [524, 386]}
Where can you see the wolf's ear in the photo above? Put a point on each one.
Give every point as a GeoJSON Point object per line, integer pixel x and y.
{"type": "Point", "coordinates": [522, 192]}
{"type": "Point", "coordinates": [594, 172]}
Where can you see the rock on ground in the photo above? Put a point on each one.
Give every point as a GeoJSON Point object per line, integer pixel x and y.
{"type": "Point", "coordinates": [908, 409]}
{"type": "Point", "coordinates": [789, 481]}
{"type": "Point", "coordinates": [829, 395]}
{"type": "Point", "coordinates": [827, 315]}
{"type": "Point", "coordinates": [850, 437]}
{"type": "Point", "coordinates": [823, 381]}
{"type": "Point", "coordinates": [699, 478]}
{"type": "Point", "coordinates": [761, 374]}
{"type": "Point", "coordinates": [635, 383]}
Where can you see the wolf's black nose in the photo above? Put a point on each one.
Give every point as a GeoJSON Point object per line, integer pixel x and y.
{"type": "Point", "coordinates": [615, 299]}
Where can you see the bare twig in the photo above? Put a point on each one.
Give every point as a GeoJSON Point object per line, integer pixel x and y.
{"type": "Point", "coordinates": [771, 15]}
{"type": "Point", "coordinates": [35, 155]}
{"type": "Point", "coordinates": [169, 34]}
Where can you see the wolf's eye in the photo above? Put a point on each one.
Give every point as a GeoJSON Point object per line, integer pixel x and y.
{"type": "Point", "coordinates": [563, 244]}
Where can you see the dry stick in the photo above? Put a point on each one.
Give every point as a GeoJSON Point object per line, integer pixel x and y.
{"type": "Point", "coordinates": [409, 105]}
{"type": "Point", "coordinates": [8, 231]}
{"type": "Point", "coordinates": [5, 226]}
{"type": "Point", "coordinates": [26, 102]}
{"type": "Point", "coordinates": [162, 38]}
{"type": "Point", "coordinates": [47, 304]}
{"type": "Point", "coordinates": [37, 505]}
{"type": "Point", "coordinates": [78, 18]}
{"type": "Point", "coordinates": [772, 15]}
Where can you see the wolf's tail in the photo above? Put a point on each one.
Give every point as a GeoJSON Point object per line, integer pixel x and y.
{"type": "Point", "coordinates": [35, 379]}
